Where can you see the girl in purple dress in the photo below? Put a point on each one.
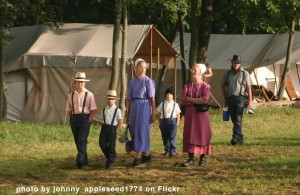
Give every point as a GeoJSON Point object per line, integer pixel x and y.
{"type": "Point", "coordinates": [141, 112]}
{"type": "Point", "coordinates": [197, 131]}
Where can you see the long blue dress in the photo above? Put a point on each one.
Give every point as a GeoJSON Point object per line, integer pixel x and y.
{"type": "Point", "coordinates": [140, 91]}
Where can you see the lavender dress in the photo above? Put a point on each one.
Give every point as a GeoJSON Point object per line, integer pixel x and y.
{"type": "Point", "coordinates": [140, 91]}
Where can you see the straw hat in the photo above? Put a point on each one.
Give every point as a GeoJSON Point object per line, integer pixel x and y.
{"type": "Point", "coordinates": [111, 94]}
{"type": "Point", "coordinates": [80, 76]}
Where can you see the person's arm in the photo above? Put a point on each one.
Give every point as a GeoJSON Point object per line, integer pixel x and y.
{"type": "Point", "coordinates": [128, 103]}
{"type": "Point", "coordinates": [205, 95]}
{"type": "Point", "coordinates": [195, 100]}
{"type": "Point", "coordinates": [249, 92]}
{"type": "Point", "coordinates": [185, 97]}
{"type": "Point", "coordinates": [152, 102]}
{"type": "Point", "coordinates": [208, 73]}
{"type": "Point", "coordinates": [120, 123]}
{"type": "Point", "coordinates": [178, 118]}
{"type": "Point", "coordinates": [69, 114]}
{"type": "Point", "coordinates": [158, 117]}
{"type": "Point", "coordinates": [92, 114]}
{"type": "Point", "coordinates": [223, 88]}
{"type": "Point", "coordinates": [224, 94]}
{"type": "Point", "coordinates": [69, 108]}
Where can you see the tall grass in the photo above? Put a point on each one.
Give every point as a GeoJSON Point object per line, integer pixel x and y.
{"type": "Point", "coordinates": [36, 156]}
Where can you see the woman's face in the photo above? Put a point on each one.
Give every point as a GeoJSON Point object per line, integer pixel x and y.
{"type": "Point", "coordinates": [195, 71]}
{"type": "Point", "coordinates": [141, 69]}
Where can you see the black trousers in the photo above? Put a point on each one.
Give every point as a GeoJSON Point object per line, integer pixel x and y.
{"type": "Point", "coordinates": [168, 129]}
{"type": "Point", "coordinates": [236, 106]}
{"type": "Point", "coordinates": [107, 141]}
{"type": "Point", "coordinates": [80, 128]}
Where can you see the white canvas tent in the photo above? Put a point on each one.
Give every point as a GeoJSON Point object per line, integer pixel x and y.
{"type": "Point", "coordinates": [40, 62]}
{"type": "Point", "coordinates": [259, 53]}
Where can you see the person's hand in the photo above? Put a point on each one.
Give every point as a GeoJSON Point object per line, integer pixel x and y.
{"type": "Point", "coordinates": [153, 118]}
{"type": "Point", "coordinates": [250, 105]}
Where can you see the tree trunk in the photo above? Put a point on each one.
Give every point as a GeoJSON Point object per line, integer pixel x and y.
{"type": "Point", "coordinates": [205, 26]}
{"type": "Point", "coordinates": [1, 62]}
{"type": "Point", "coordinates": [181, 39]}
{"type": "Point", "coordinates": [194, 34]}
{"type": "Point", "coordinates": [116, 47]}
{"type": "Point", "coordinates": [160, 81]}
{"type": "Point", "coordinates": [287, 61]}
{"type": "Point", "coordinates": [123, 58]}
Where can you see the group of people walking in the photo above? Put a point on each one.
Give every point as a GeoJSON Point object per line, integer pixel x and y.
{"type": "Point", "coordinates": [141, 113]}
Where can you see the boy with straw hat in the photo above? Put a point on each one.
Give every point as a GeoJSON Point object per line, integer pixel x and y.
{"type": "Point", "coordinates": [111, 121]}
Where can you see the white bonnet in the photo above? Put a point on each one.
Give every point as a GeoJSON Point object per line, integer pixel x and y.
{"type": "Point", "coordinates": [137, 61]}
{"type": "Point", "coordinates": [202, 68]}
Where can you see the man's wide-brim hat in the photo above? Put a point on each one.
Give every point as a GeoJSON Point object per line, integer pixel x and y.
{"type": "Point", "coordinates": [236, 58]}
{"type": "Point", "coordinates": [80, 76]}
{"type": "Point", "coordinates": [112, 94]}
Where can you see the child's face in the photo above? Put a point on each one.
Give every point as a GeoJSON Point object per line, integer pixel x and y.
{"type": "Point", "coordinates": [169, 96]}
{"type": "Point", "coordinates": [110, 101]}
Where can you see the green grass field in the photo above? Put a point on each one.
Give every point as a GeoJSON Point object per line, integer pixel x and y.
{"type": "Point", "coordinates": [39, 158]}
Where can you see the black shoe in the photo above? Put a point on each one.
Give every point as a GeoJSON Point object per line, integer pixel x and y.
{"type": "Point", "coordinates": [136, 162]}
{"type": "Point", "coordinates": [165, 154]}
{"type": "Point", "coordinates": [202, 161]}
{"type": "Point", "coordinates": [109, 165]}
{"type": "Point", "coordinates": [234, 142]}
{"type": "Point", "coordinates": [188, 163]}
{"type": "Point", "coordinates": [172, 155]}
{"type": "Point", "coordinates": [79, 166]}
{"type": "Point", "coordinates": [146, 159]}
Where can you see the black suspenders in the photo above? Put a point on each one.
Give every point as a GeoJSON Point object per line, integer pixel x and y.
{"type": "Point", "coordinates": [84, 100]}
{"type": "Point", "coordinates": [164, 110]}
{"type": "Point", "coordinates": [112, 121]}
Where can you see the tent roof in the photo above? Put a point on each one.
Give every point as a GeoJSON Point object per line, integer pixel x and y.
{"type": "Point", "coordinates": [74, 42]}
{"type": "Point", "coordinates": [255, 50]}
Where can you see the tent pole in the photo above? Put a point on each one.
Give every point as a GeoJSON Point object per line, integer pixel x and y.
{"type": "Point", "coordinates": [298, 72]}
{"type": "Point", "coordinates": [131, 69]}
{"type": "Point", "coordinates": [151, 44]}
{"type": "Point", "coordinates": [274, 71]}
{"type": "Point", "coordinates": [175, 78]}
{"type": "Point", "coordinates": [158, 59]}
{"type": "Point", "coordinates": [255, 76]}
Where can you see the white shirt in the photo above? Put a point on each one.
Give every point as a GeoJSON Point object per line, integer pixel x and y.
{"type": "Point", "coordinates": [168, 108]}
{"type": "Point", "coordinates": [109, 113]}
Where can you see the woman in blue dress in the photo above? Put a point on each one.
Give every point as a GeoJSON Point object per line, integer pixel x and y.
{"type": "Point", "coordinates": [141, 112]}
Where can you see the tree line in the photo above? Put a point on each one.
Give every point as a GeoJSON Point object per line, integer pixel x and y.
{"type": "Point", "coordinates": [199, 17]}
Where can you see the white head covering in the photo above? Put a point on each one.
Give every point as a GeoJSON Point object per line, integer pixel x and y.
{"type": "Point", "coordinates": [137, 61]}
{"type": "Point", "coordinates": [202, 68]}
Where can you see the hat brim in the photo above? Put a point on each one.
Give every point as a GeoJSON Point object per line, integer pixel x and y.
{"type": "Point", "coordinates": [239, 61]}
{"type": "Point", "coordinates": [112, 97]}
{"type": "Point", "coordinates": [84, 80]}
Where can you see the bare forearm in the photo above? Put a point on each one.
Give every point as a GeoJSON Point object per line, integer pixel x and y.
{"type": "Point", "coordinates": [92, 114]}
{"type": "Point", "coordinates": [224, 95]}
